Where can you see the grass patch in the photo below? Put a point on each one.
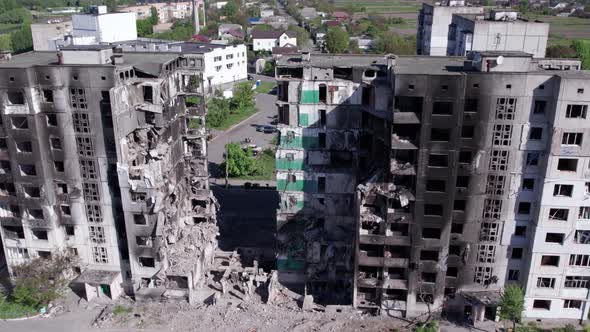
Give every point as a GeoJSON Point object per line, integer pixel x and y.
{"type": "Point", "coordinates": [121, 310]}
{"type": "Point", "coordinates": [233, 118]}
{"type": "Point", "coordinates": [265, 87]}
{"type": "Point", "coordinates": [10, 310]}
{"type": "Point", "coordinates": [195, 100]}
{"type": "Point", "coordinates": [264, 167]}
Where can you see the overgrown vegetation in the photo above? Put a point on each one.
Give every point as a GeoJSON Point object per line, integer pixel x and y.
{"type": "Point", "coordinates": [222, 113]}
{"type": "Point", "coordinates": [336, 40]}
{"type": "Point", "coordinates": [512, 304]}
{"type": "Point", "coordinates": [145, 27]}
{"type": "Point", "coordinates": [577, 49]}
{"type": "Point", "coordinates": [265, 87]}
{"type": "Point", "coordinates": [119, 310]}
{"type": "Point", "coordinates": [38, 282]}
{"type": "Point", "coordinates": [431, 326]}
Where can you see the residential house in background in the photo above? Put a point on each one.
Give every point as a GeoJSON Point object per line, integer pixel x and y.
{"type": "Point", "coordinates": [266, 40]}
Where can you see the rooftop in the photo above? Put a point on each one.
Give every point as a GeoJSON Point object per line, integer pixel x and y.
{"type": "Point", "coordinates": [259, 34]}
{"type": "Point", "coordinates": [330, 60]}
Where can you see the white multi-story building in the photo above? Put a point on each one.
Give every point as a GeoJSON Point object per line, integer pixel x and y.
{"type": "Point", "coordinates": [102, 27]}
{"type": "Point", "coordinates": [167, 12]}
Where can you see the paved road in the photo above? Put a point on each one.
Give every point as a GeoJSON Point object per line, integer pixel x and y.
{"type": "Point", "coordinates": [266, 110]}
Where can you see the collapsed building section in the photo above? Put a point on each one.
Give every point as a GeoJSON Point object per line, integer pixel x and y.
{"type": "Point", "coordinates": [110, 162]}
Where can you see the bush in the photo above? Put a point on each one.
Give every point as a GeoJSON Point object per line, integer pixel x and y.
{"type": "Point", "coordinates": [431, 326]}
{"type": "Point", "coordinates": [121, 310]}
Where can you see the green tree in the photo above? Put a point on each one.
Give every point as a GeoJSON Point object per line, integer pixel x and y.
{"type": "Point", "coordinates": [582, 48]}
{"type": "Point", "coordinates": [301, 33]}
{"type": "Point", "coordinates": [230, 9]}
{"type": "Point", "coordinates": [5, 43]}
{"type": "Point", "coordinates": [111, 5]}
{"type": "Point", "coordinates": [391, 42]}
{"type": "Point", "coordinates": [512, 304]}
{"type": "Point", "coordinates": [523, 6]}
{"type": "Point", "coordinates": [336, 40]}
{"type": "Point", "coordinates": [239, 162]}
{"type": "Point", "coordinates": [243, 96]}
{"type": "Point", "coordinates": [269, 68]}
{"type": "Point", "coordinates": [144, 27]}
{"type": "Point", "coordinates": [21, 40]}
{"type": "Point", "coordinates": [154, 19]}
{"type": "Point", "coordinates": [431, 326]}
{"type": "Point", "coordinates": [353, 46]}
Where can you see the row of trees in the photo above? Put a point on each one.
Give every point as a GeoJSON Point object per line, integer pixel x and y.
{"type": "Point", "coordinates": [220, 109]}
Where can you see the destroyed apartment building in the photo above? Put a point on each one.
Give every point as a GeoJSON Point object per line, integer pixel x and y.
{"type": "Point", "coordinates": [412, 185]}
{"type": "Point", "coordinates": [104, 154]}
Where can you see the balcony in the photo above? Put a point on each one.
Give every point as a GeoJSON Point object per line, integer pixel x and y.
{"type": "Point", "coordinates": [394, 240]}
{"type": "Point", "coordinates": [405, 117]}
{"type": "Point", "coordinates": [399, 215]}
{"type": "Point", "coordinates": [402, 143]}
{"type": "Point", "coordinates": [395, 284]}
{"type": "Point", "coordinates": [402, 168]}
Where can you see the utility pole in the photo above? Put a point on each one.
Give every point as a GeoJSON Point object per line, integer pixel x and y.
{"type": "Point", "coordinates": [226, 167]}
{"type": "Point", "coordinates": [196, 16]}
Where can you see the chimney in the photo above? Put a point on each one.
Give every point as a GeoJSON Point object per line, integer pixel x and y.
{"type": "Point", "coordinates": [60, 58]}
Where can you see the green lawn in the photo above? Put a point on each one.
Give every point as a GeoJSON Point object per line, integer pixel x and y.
{"type": "Point", "coordinates": [234, 118]}
{"type": "Point", "coordinates": [264, 167]}
{"type": "Point", "coordinates": [563, 29]}
{"type": "Point", "coordinates": [265, 87]}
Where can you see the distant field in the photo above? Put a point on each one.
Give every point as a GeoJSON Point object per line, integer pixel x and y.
{"type": "Point", "coordinates": [382, 6]}
{"type": "Point", "coordinates": [567, 27]}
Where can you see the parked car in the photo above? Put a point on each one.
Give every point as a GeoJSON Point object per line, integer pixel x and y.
{"type": "Point", "coordinates": [269, 129]}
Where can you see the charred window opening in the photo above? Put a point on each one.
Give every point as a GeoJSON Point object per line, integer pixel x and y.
{"type": "Point", "coordinates": [429, 255]}
{"type": "Point", "coordinates": [408, 104]}
{"type": "Point", "coordinates": [343, 73]}
{"type": "Point", "coordinates": [524, 208]}
{"type": "Point", "coordinates": [70, 230]}
{"type": "Point", "coordinates": [567, 164]}
{"type": "Point", "coordinates": [143, 241]}
{"type": "Point", "coordinates": [399, 229]}
{"type": "Point", "coordinates": [65, 210]}
{"type": "Point", "coordinates": [177, 282]}
{"type": "Point", "coordinates": [44, 254]}
{"type": "Point", "coordinates": [542, 304]}
{"type": "Point", "coordinates": [370, 250]}
{"type": "Point", "coordinates": [456, 228]}
{"type": "Point", "coordinates": [470, 106]}
{"type": "Point", "coordinates": [564, 190]}
{"type": "Point", "coordinates": [196, 203]}
{"type": "Point", "coordinates": [7, 189]}
{"type": "Point", "coordinates": [284, 114]}
{"type": "Point", "coordinates": [438, 160]}
{"type": "Point", "coordinates": [321, 184]}
{"type": "Point", "coordinates": [290, 72]}
{"type": "Point", "coordinates": [322, 118]}
{"type": "Point", "coordinates": [148, 94]}
{"type": "Point", "coordinates": [3, 144]}
{"type": "Point", "coordinates": [467, 131]}
{"type": "Point", "coordinates": [14, 232]}
{"type": "Point", "coordinates": [323, 93]}
{"type": "Point", "coordinates": [452, 272]}
{"type": "Point", "coordinates": [19, 122]}
{"type": "Point", "coordinates": [433, 209]}
{"type": "Point", "coordinates": [15, 98]}
{"type": "Point", "coordinates": [369, 272]}
{"type": "Point", "coordinates": [39, 234]}
{"type": "Point", "coordinates": [147, 262]}
{"type": "Point", "coordinates": [430, 233]}
{"type": "Point", "coordinates": [139, 219]}
{"type": "Point", "coordinates": [367, 96]}
{"type": "Point", "coordinates": [436, 185]}
{"type": "Point", "coordinates": [5, 167]}
{"type": "Point", "coordinates": [548, 260]}
{"type": "Point", "coordinates": [96, 234]}
{"type": "Point", "coordinates": [24, 146]}
{"type": "Point", "coordinates": [138, 197]}
{"type": "Point", "coordinates": [429, 277]}
{"type": "Point", "coordinates": [27, 170]}
{"type": "Point", "coordinates": [35, 213]}
{"type": "Point", "coordinates": [440, 134]}
{"type": "Point", "coordinates": [48, 96]}
{"type": "Point", "coordinates": [459, 205]}
{"type": "Point", "coordinates": [59, 166]}
{"type": "Point", "coordinates": [455, 250]}
{"type": "Point", "coordinates": [199, 220]}
{"type": "Point", "coordinates": [554, 238]}
{"type": "Point", "coordinates": [341, 158]}
{"type": "Point", "coordinates": [55, 143]}
{"type": "Point", "coordinates": [51, 120]}
{"type": "Point", "coordinates": [558, 214]}
{"type": "Point", "coordinates": [322, 140]}
{"type": "Point", "coordinates": [62, 188]}
{"type": "Point", "coordinates": [442, 108]}
{"type": "Point", "coordinates": [465, 157]}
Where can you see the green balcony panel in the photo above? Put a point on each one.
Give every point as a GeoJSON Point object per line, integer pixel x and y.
{"type": "Point", "coordinates": [285, 164]}
{"type": "Point", "coordinates": [295, 142]}
{"type": "Point", "coordinates": [290, 264]}
{"type": "Point", "coordinates": [310, 142]}
{"type": "Point", "coordinates": [303, 119]}
{"type": "Point", "coordinates": [282, 185]}
{"type": "Point", "coordinates": [310, 96]}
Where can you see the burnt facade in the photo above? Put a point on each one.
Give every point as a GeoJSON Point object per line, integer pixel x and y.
{"type": "Point", "coordinates": [104, 156]}
{"type": "Point", "coordinates": [447, 197]}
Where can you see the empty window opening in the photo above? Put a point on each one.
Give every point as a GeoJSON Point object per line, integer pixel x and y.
{"type": "Point", "coordinates": [39, 234]}
{"type": "Point", "coordinates": [438, 160]}
{"type": "Point", "coordinates": [558, 214]}
{"type": "Point", "coordinates": [429, 255]}
{"type": "Point", "coordinates": [584, 212]}
{"type": "Point", "coordinates": [59, 166]}
{"type": "Point", "coordinates": [19, 122]}
{"type": "Point", "coordinates": [470, 106]}
{"type": "Point", "coordinates": [32, 192]}
{"type": "Point", "coordinates": [542, 304]}
{"type": "Point", "coordinates": [148, 94]}
{"type": "Point", "coordinates": [322, 118]}
{"type": "Point", "coordinates": [576, 111]}
{"type": "Point", "coordinates": [505, 108]}
{"type": "Point", "coordinates": [517, 253]}
{"type": "Point", "coordinates": [456, 228]}
{"type": "Point", "coordinates": [100, 255]}
{"type": "Point", "coordinates": [14, 232]}
{"type": "Point", "coordinates": [323, 93]}
{"type": "Point", "coordinates": [5, 167]}
{"type": "Point", "coordinates": [433, 209]}
{"type": "Point", "coordinates": [563, 190]}
{"type": "Point", "coordinates": [462, 181]}
{"type": "Point", "coordinates": [452, 272]}
{"type": "Point", "coordinates": [440, 134]}
{"type": "Point", "coordinates": [532, 159]}
{"type": "Point", "coordinates": [51, 120]}
{"type": "Point", "coordinates": [502, 135]}
{"type": "Point", "coordinates": [139, 219]}
{"type": "Point", "coordinates": [554, 238]}
{"type": "Point", "coordinates": [548, 260]}
{"type": "Point", "coordinates": [572, 304]}
{"type": "Point", "coordinates": [508, 86]}
{"type": "Point", "coordinates": [24, 146]}
{"type": "Point", "coordinates": [455, 250]}
{"type": "Point", "coordinates": [459, 205]}
{"type": "Point", "coordinates": [62, 188]}
{"type": "Point", "coordinates": [465, 157]}
{"type": "Point", "coordinates": [435, 185]}
{"type": "Point", "coordinates": [528, 184]}
{"type": "Point", "coordinates": [486, 253]}
{"type": "Point", "coordinates": [572, 139]}
{"type": "Point", "coordinates": [96, 234]}
{"type": "Point", "coordinates": [483, 275]}
{"type": "Point", "coordinates": [467, 131]}
{"type": "Point", "coordinates": [513, 275]}
{"type": "Point", "coordinates": [582, 237]}
{"type": "Point", "coordinates": [428, 277]}
{"type": "Point", "coordinates": [520, 231]}
{"type": "Point", "coordinates": [524, 208]}
{"type": "Point", "coordinates": [15, 98]}
{"type": "Point", "coordinates": [539, 107]}
{"type": "Point", "coordinates": [442, 108]}
{"type": "Point", "coordinates": [430, 233]}
{"type": "Point", "coordinates": [321, 184]}
{"type": "Point", "coordinates": [577, 281]}
{"type": "Point", "coordinates": [143, 241]}
{"type": "Point", "coordinates": [495, 184]}
{"type": "Point", "coordinates": [498, 160]}
{"type": "Point", "coordinates": [536, 133]}
{"type": "Point", "coordinates": [489, 231]}
{"type": "Point", "coordinates": [27, 170]}
{"type": "Point", "coordinates": [70, 230]}
{"type": "Point", "coordinates": [65, 210]}
{"type": "Point", "coordinates": [44, 254]}
{"type": "Point", "coordinates": [567, 164]}
{"type": "Point", "coordinates": [492, 209]}
{"type": "Point", "coordinates": [48, 96]}
{"type": "Point", "coordinates": [545, 282]}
